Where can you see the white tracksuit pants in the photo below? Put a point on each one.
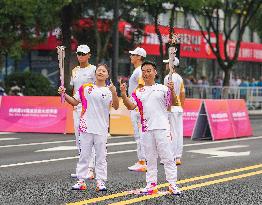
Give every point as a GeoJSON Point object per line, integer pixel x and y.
{"type": "Point", "coordinates": [88, 141]}
{"type": "Point", "coordinates": [176, 128]}
{"type": "Point", "coordinates": [135, 119]}
{"type": "Point", "coordinates": [76, 117]}
{"type": "Point", "coordinates": [156, 143]}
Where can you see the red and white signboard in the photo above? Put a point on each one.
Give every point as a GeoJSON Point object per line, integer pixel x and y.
{"type": "Point", "coordinates": [190, 113]}
{"type": "Point", "coordinates": [33, 119]}
{"type": "Point", "coordinates": [219, 119]}
{"type": "Point", "coordinates": [240, 118]}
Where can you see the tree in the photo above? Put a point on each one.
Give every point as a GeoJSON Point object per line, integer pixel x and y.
{"type": "Point", "coordinates": [219, 16]}
{"type": "Point", "coordinates": [23, 24]}
{"type": "Point", "coordinates": [154, 8]}
{"type": "Point", "coordinates": [256, 22]}
{"type": "Point", "coordinates": [98, 31]}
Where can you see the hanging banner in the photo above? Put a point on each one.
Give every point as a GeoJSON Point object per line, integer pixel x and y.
{"type": "Point", "coordinates": [190, 113]}
{"type": "Point", "coordinates": [240, 118]}
{"type": "Point", "coordinates": [219, 119]}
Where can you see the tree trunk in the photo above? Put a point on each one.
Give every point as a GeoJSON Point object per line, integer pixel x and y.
{"type": "Point", "coordinates": [67, 19]}
{"type": "Point", "coordinates": [225, 92]}
{"type": "Point", "coordinates": [227, 71]}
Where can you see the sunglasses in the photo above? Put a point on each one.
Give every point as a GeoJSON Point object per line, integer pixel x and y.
{"type": "Point", "coordinates": [81, 54]}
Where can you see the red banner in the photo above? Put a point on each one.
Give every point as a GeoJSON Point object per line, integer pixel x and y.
{"type": "Point", "coordinates": [191, 111]}
{"type": "Point", "coordinates": [219, 118]}
{"type": "Point", "coordinates": [240, 118]}
{"type": "Point", "coordinates": [193, 44]}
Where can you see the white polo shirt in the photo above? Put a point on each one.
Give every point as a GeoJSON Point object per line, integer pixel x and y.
{"type": "Point", "coordinates": [178, 85]}
{"type": "Point", "coordinates": [135, 80]}
{"type": "Point", "coordinates": [96, 103]}
{"type": "Point", "coordinates": [153, 103]}
{"type": "Point", "coordinates": [81, 76]}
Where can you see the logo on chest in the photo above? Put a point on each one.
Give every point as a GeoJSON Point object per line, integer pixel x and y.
{"type": "Point", "coordinates": [90, 89]}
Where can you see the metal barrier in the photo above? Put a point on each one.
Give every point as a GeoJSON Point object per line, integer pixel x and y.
{"type": "Point", "coordinates": [252, 95]}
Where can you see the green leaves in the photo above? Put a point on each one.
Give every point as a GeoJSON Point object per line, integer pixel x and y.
{"type": "Point", "coordinates": [24, 20]}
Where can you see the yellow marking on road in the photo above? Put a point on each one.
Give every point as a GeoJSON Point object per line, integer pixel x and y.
{"type": "Point", "coordinates": [125, 193]}
{"type": "Point", "coordinates": [194, 186]}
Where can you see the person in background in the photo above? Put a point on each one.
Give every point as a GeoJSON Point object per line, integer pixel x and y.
{"type": "Point", "coordinates": [2, 89]}
{"type": "Point", "coordinates": [137, 57]}
{"type": "Point", "coordinates": [176, 114]}
{"type": "Point", "coordinates": [81, 74]}
{"type": "Point", "coordinates": [243, 91]}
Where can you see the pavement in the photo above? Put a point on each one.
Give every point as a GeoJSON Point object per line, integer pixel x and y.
{"type": "Point", "coordinates": [35, 169]}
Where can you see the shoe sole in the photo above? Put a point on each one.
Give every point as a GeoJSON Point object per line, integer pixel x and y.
{"type": "Point", "coordinates": [155, 191]}
{"type": "Point", "coordinates": [138, 170]}
{"type": "Point", "coordinates": [171, 192]}
{"type": "Point", "coordinates": [98, 190]}
{"type": "Point", "coordinates": [81, 189]}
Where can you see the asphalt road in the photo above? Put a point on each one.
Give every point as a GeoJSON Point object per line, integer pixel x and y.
{"type": "Point", "coordinates": [35, 169]}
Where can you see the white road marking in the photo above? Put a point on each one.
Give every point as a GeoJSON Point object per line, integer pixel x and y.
{"type": "Point", "coordinates": [58, 159]}
{"type": "Point", "coordinates": [185, 145]}
{"type": "Point", "coordinates": [59, 148]}
{"type": "Point", "coordinates": [223, 141]}
{"type": "Point", "coordinates": [117, 152]}
{"type": "Point", "coordinates": [6, 133]}
{"type": "Point", "coordinates": [37, 143]}
{"type": "Point", "coordinates": [66, 148]}
{"type": "Point", "coordinates": [220, 151]}
{"type": "Point", "coordinates": [7, 139]}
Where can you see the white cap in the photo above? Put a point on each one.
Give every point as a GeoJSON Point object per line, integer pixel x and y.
{"type": "Point", "coordinates": [176, 61]}
{"type": "Point", "coordinates": [83, 49]}
{"type": "Point", "coordinates": [138, 51]}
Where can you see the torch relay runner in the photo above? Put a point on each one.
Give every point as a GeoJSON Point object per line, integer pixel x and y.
{"type": "Point", "coordinates": [155, 126]}
{"type": "Point", "coordinates": [96, 99]}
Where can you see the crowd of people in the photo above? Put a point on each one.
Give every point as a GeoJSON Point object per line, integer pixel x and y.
{"type": "Point", "coordinates": [238, 87]}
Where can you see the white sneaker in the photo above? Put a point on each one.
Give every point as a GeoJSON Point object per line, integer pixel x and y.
{"type": "Point", "coordinates": [140, 166]}
{"type": "Point", "coordinates": [80, 185]}
{"type": "Point", "coordinates": [150, 189]}
{"type": "Point", "coordinates": [173, 189]}
{"type": "Point", "coordinates": [100, 185]}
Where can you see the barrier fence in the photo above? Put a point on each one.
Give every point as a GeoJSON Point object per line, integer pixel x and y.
{"type": "Point", "coordinates": [252, 95]}
{"type": "Point", "coordinates": [48, 115]}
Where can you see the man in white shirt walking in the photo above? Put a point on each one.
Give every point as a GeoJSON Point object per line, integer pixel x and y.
{"type": "Point", "coordinates": [137, 57]}
{"type": "Point", "coordinates": [176, 114]}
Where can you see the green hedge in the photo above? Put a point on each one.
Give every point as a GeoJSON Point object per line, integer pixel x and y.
{"type": "Point", "coordinates": [33, 84]}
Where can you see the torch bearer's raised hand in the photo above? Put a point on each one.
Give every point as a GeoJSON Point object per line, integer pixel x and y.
{"type": "Point", "coordinates": [61, 90]}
